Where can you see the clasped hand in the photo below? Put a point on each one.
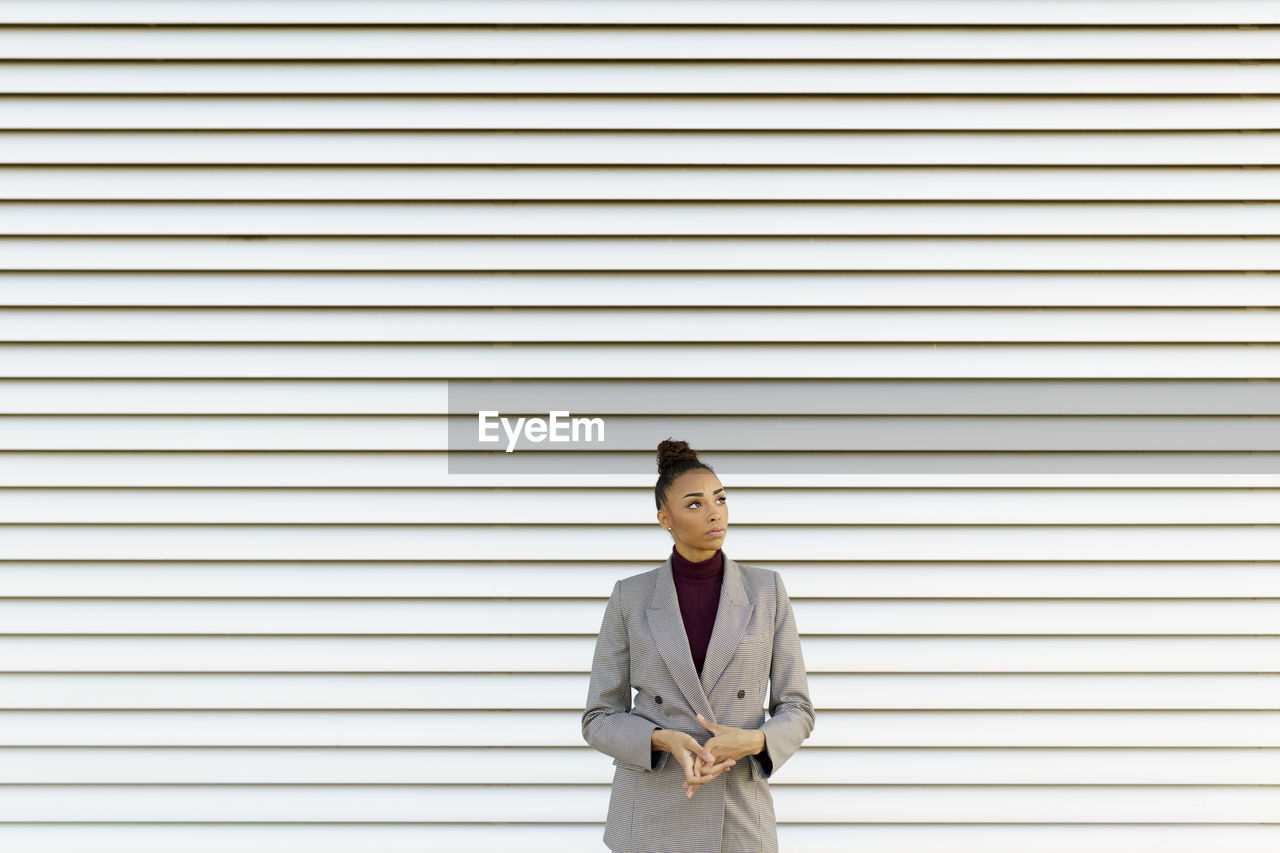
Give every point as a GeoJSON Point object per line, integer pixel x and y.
{"type": "Point", "coordinates": [703, 763]}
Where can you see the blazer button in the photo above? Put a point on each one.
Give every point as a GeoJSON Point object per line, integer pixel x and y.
{"type": "Point", "coordinates": [658, 699]}
{"type": "Point", "coordinates": [742, 694]}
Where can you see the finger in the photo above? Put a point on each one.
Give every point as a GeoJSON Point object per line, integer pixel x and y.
{"type": "Point", "coordinates": [693, 785]}
{"type": "Point", "coordinates": [695, 772]}
{"type": "Point", "coordinates": [716, 771]}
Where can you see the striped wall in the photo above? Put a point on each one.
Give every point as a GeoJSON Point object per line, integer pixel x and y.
{"type": "Point", "coordinates": [1005, 271]}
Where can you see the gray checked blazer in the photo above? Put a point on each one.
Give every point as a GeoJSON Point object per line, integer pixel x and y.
{"type": "Point", "coordinates": [643, 645]}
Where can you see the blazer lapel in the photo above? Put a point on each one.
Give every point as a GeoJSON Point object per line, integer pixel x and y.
{"type": "Point", "coordinates": [731, 621]}
{"type": "Point", "coordinates": [667, 626]}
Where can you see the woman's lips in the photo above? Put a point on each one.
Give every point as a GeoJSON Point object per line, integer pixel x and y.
{"type": "Point", "coordinates": [719, 531]}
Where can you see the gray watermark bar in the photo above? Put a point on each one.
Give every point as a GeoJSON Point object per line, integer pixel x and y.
{"type": "Point", "coordinates": [548, 426]}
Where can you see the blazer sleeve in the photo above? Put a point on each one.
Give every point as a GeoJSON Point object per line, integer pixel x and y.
{"type": "Point", "coordinates": [791, 715]}
{"type": "Point", "coordinates": [607, 723]}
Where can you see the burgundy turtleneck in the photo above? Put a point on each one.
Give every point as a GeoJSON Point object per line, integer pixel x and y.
{"type": "Point", "coordinates": [698, 589]}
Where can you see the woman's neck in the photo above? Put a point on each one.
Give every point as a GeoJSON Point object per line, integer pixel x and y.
{"type": "Point", "coordinates": [706, 568]}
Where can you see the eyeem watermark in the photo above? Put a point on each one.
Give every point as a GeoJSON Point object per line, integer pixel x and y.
{"type": "Point", "coordinates": [538, 429]}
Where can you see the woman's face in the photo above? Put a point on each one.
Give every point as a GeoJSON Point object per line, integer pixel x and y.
{"type": "Point", "coordinates": [697, 513]}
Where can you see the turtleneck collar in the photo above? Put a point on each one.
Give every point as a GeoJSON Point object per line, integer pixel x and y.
{"type": "Point", "coordinates": [703, 570]}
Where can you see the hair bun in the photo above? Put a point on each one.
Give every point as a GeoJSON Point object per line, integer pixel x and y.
{"type": "Point", "coordinates": [674, 459]}
{"type": "Point", "coordinates": [671, 452]}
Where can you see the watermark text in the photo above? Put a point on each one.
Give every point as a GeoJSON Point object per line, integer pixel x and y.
{"type": "Point", "coordinates": [556, 427]}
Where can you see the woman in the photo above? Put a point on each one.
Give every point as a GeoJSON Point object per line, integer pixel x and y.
{"type": "Point", "coordinates": [697, 637]}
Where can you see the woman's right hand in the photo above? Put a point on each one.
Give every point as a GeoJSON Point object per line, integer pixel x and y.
{"type": "Point", "coordinates": [698, 762]}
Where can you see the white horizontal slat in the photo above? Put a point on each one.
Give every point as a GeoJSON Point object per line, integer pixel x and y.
{"type": "Point", "coordinates": [629, 361]}
{"type": "Point", "coordinates": [1009, 434]}
{"type": "Point", "coordinates": [640, 325]}
{"type": "Point", "coordinates": [591, 581]}
{"type": "Point", "coordinates": [474, 654]}
{"type": "Point", "coordinates": [930, 12]}
{"type": "Point", "coordinates": [430, 469]}
{"type": "Point", "coordinates": [505, 198]}
{"type": "Point", "coordinates": [577, 766]}
{"type": "Point", "coordinates": [740, 147]}
{"type": "Point", "coordinates": [462, 505]}
{"type": "Point", "coordinates": [1252, 729]}
{"type": "Point", "coordinates": [680, 218]}
{"type": "Point", "coordinates": [679, 397]}
{"type": "Point", "coordinates": [249, 432]}
{"type": "Point", "coordinates": [215, 396]}
{"type": "Point", "coordinates": [619, 398]}
{"type": "Point", "coordinates": [502, 542]}
{"type": "Point", "coordinates": [1172, 804]}
{"type": "Point", "coordinates": [323, 837]}
{"type": "Point", "coordinates": [508, 617]}
{"type": "Point", "coordinates": [457, 691]}
{"type": "Point", "coordinates": [673, 77]}
{"type": "Point", "coordinates": [642, 253]}
{"type": "Point", "coordinates": [649, 112]}
{"type": "Point", "coordinates": [585, 289]}
{"type": "Point", "coordinates": [301, 837]}
{"type": "Point", "coordinates": [656, 42]}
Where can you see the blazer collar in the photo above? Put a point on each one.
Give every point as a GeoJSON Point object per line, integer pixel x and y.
{"type": "Point", "coordinates": [667, 627]}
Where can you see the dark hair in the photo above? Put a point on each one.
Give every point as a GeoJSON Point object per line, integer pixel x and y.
{"type": "Point", "coordinates": [674, 458]}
